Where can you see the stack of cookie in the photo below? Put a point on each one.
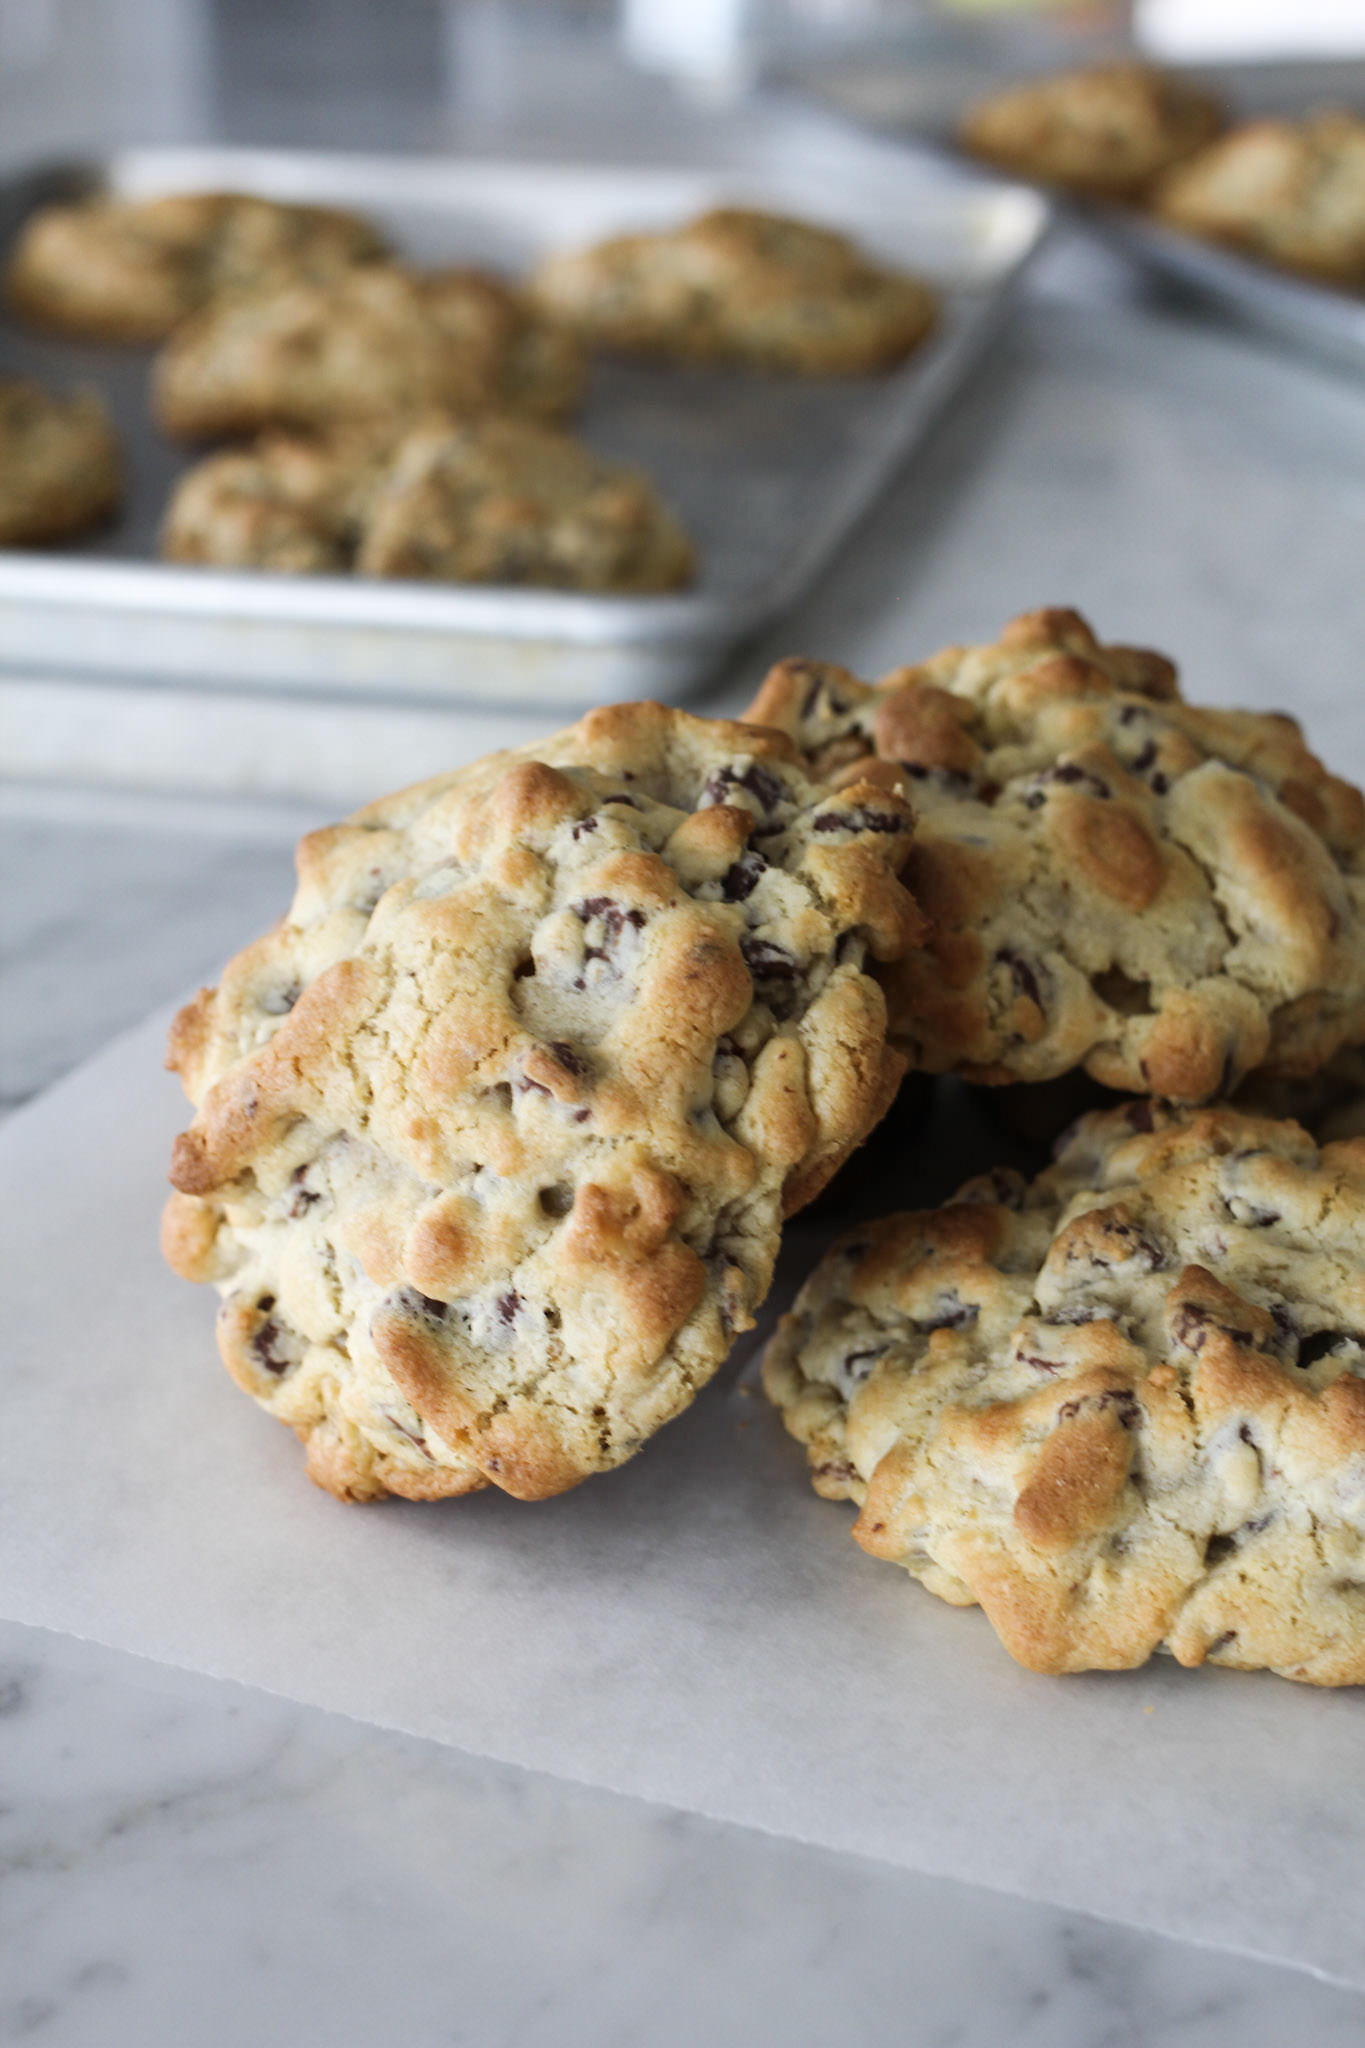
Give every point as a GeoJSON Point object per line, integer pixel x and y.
{"type": "Point", "coordinates": [1288, 192]}
{"type": "Point", "coordinates": [406, 423]}
{"type": "Point", "coordinates": [497, 1130]}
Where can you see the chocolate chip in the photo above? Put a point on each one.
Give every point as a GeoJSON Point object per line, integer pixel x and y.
{"type": "Point", "coordinates": [1127, 1410]}
{"type": "Point", "coordinates": [509, 1306]}
{"type": "Point", "coordinates": [1002, 1185]}
{"type": "Point", "coordinates": [1323, 1343]}
{"type": "Point", "coordinates": [303, 1197]}
{"type": "Point", "coordinates": [1191, 1325]}
{"type": "Point", "coordinates": [584, 826]}
{"type": "Point", "coordinates": [860, 819]}
{"type": "Point", "coordinates": [411, 1302]}
{"type": "Point", "coordinates": [556, 1201]}
{"type": "Point", "coordinates": [413, 1436]}
{"type": "Point", "coordinates": [760, 782]}
{"type": "Point", "coordinates": [950, 1313]}
{"type": "Point", "coordinates": [1070, 775]}
{"type": "Point", "coordinates": [280, 1001]}
{"type": "Point", "coordinates": [742, 878]}
{"type": "Point", "coordinates": [1025, 979]}
{"type": "Point", "coordinates": [1140, 763]}
{"type": "Point", "coordinates": [858, 1365]}
{"type": "Point", "coordinates": [1141, 1116]}
{"type": "Point", "coordinates": [269, 1343]}
{"type": "Point", "coordinates": [1250, 1213]}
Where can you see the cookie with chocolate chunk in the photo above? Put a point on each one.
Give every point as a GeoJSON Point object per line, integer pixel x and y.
{"type": "Point", "coordinates": [1166, 895]}
{"type": "Point", "coordinates": [132, 269]}
{"type": "Point", "coordinates": [1288, 192]}
{"type": "Point", "coordinates": [60, 467]}
{"type": "Point", "coordinates": [1107, 131]}
{"type": "Point", "coordinates": [496, 1129]}
{"type": "Point", "coordinates": [742, 286]}
{"type": "Point", "coordinates": [374, 342]}
{"type": "Point", "coordinates": [1122, 1408]}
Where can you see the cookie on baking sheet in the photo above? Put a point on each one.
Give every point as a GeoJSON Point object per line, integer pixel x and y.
{"type": "Point", "coordinates": [60, 468]}
{"type": "Point", "coordinates": [1122, 1409]}
{"type": "Point", "coordinates": [1289, 192]}
{"type": "Point", "coordinates": [505, 501]}
{"type": "Point", "coordinates": [289, 502]}
{"type": "Point", "coordinates": [740, 286]}
{"type": "Point", "coordinates": [497, 1127]}
{"type": "Point", "coordinates": [1165, 895]}
{"type": "Point", "coordinates": [1107, 132]}
{"type": "Point", "coordinates": [374, 341]}
{"type": "Point", "coordinates": [132, 269]}
{"type": "Point", "coordinates": [482, 501]}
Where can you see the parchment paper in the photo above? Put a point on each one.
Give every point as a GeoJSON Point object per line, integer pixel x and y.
{"type": "Point", "coordinates": [697, 1629]}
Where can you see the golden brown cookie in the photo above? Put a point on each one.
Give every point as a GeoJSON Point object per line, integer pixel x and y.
{"type": "Point", "coordinates": [131, 270]}
{"type": "Point", "coordinates": [1287, 192]}
{"type": "Point", "coordinates": [740, 286]}
{"type": "Point", "coordinates": [479, 501]}
{"type": "Point", "coordinates": [1107, 132]}
{"type": "Point", "coordinates": [1122, 1409]}
{"type": "Point", "coordinates": [1165, 895]}
{"type": "Point", "coordinates": [60, 468]}
{"type": "Point", "coordinates": [497, 1127]}
{"type": "Point", "coordinates": [373, 342]}
{"type": "Point", "coordinates": [503, 501]}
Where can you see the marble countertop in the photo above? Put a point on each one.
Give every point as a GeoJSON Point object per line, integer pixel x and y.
{"type": "Point", "coordinates": [187, 1862]}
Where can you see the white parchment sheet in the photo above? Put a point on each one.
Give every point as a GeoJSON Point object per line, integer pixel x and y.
{"type": "Point", "coordinates": [697, 1629]}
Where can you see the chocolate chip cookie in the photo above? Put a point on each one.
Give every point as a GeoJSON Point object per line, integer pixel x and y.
{"type": "Point", "coordinates": [1287, 192]}
{"type": "Point", "coordinates": [1107, 132]}
{"type": "Point", "coordinates": [744, 287]}
{"type": "Point", "coordinates": [376, 341]}
{"type": "Point", "coordinates": [479, 501]}
{"type": "Point", "coordinates": [497, 1127]}
{"type": "Point", "coordinates": [1123, 1408]}
{"type": "Point", "coordinates": [60, 469]}
{"type": "Point", "coordinates": [132, 270]}
{"type": "Point", "coordinates": [1166, 895]}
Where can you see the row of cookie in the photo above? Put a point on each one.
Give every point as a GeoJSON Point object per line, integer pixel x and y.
{"type": "Point", "coordinates": [1289, 192]}
{"type": "Point", "coordinates": [496, 1131]}
{"type": "Point", "coordinates": [295, 318]}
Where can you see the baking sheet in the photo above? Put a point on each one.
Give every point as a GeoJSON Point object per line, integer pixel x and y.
{"type": "Point", "coordinates": [769, 474]}
{"type": "Point", "coordinates": [927, 95]}
{"type": "Point", "coordinates": [696, 1629]}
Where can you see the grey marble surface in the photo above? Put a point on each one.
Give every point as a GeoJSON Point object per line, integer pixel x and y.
{"type": "Point", "coordinates": [186, 1862]}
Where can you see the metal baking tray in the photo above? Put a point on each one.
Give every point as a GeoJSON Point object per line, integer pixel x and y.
{"type": "Point", "coordinates": [923, 96]}
{"type": "Point", "coordinates": [1311, 316]}
{"type": "Point", "coordinates": [769, 474]}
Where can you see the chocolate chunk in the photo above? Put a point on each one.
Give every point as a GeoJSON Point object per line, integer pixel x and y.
{"type": "Point", "coordinates": [860, 819]}
{"type": "Point", "coordinates": [742, 878]}
{"type": "Point", "coordinates": [1025, 978]}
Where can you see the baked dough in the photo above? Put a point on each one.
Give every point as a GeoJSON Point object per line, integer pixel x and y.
{"type": "Point", "coordinates": [1124, 1408]}
{"type": "Point", "coordinates": [60, 469]}
{"type": "Point", "coordinates": [1107, 132]}
{"type": "Point", "coordinates": [497, 1127]}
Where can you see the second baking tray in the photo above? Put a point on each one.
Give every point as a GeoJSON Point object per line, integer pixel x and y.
{"type": "Point", "coordinates": [769, 474]}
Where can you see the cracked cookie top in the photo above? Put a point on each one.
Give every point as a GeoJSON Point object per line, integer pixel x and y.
{"type": "Point", "coordinates": [496, 1129]}
{"type": "Point", "coordinates": [60, 466]}
{"type": "Point", "coordinates": [132, 270]}
{"type": "Point", "coordinates": [738, 285]}
{"type": "Point", "coordinates": [373, 342]}
{"type": "Point", "coordinates": [1288, 192]}
{"type": "Point", "coordinates": [1107, 131]}
{"type": "Point", "coordinates": [1122, 1408]}
{"type": "Point", "coordinates": [1166, 895]}
{"type": "Point", "coordinates": [475, 501]}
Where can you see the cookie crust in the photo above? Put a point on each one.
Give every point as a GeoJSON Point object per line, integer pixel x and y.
{"type": "Point", "coordinates": [60, 467]}
{"type": "Point", "coordinates": [375, 343]}
{"type": "Point", "coordinates": [496, 1129]}
{"type": "Point", "coordinates": [740, 286]}
{"type": "Point", "coordinates": [1286, 192]}
{"type": "Point", "coordinates": [1166, 895]}
{"type": "Point", "coordinates": [132, 270]}
{"type": "Point", "coordinates": [1122, 1409]}
{"type": "Point", "coordinates": [478, 501]}
{"type": "Point", "coordinates": [1107, 132]}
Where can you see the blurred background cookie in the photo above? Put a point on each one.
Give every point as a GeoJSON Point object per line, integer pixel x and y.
{"type": "Point", "coordinates": [131, 270]}
{"type": "Point", "coordinates": [738, 285]}
{"type": "Point", "coordinates": [1288, 192]}
{"type": "Point", "coordinates": [1108, 131]}
{"type": "Point", "coordinates": [60, 468]}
